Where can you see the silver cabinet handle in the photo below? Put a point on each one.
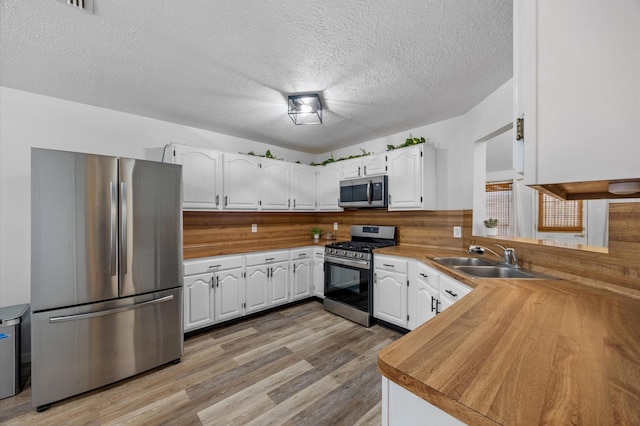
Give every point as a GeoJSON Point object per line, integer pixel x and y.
{"type": "Point", "coordinates": [217, 281]}
{"type": "Point", "coordinates": [389, 199]}
{"type": "Point", "coordinates": [358, 170]}
{"type": "Point", "coordinates": [452, 293]}
{"type": "Point", "coordinates": [387, 265]}
{"type": "Point", "coordinates": [54, 320]}
{"type": "Point", "coordinates": [113, 231]}
{"type": "Point", "coordinates": [294, 203]}
{"type": "Point", "coordinates": [424, 275]}
{"type": "Point", "coordinates": [433, 308]}
{"type": "Point", "coordinates": [289, 203]}
{"type": "Point", "coordinates": [123, 226]}
{"type": "Point", "coordinates": [365, 170]}
{"type": "Point", "coordinates": [212, 281]}
{"type": "Point", "coordinates": [214, 266]}
{"type": "Point", "coordinates": [268, 259]}
{"type": "Point", "coordinates": [226, 200]}
{"type": "Point", "coordinates": [217, 200]}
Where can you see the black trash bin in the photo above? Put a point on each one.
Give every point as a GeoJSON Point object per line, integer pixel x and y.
{"type": "Point", "coordinates": [15, 348]}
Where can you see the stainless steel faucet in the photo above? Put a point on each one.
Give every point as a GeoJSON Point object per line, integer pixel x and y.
{"type": "Point", "coordinates": [509, 254]}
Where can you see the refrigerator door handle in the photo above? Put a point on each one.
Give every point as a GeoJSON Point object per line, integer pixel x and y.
{"type": "Point", "coordinates": [113, 230]}
{"type": "Point", "coordinates": [123, 227]}
{"type": "Point", "coordinates": [66, 318]}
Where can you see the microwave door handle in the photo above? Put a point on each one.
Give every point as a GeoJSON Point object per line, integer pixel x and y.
{"type": "Point", "coordinates": [369, 193]}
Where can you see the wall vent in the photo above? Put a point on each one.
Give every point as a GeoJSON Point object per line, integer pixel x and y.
{"type": "Point", "coordinates": [85, 5]}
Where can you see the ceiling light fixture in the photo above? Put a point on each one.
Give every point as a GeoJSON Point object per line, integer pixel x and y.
{"type": "Point", "coordinates": [624, 188]}
{"type": "Point", "coordinates": [305, 109]}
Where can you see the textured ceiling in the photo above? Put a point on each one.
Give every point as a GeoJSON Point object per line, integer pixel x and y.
{"type": "Point", "coordinates": [380, 66]}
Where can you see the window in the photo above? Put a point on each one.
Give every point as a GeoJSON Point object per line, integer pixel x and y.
{"type": "Point", "coordinates": [499, 197]}
{"type": "Point", "coordinates": [556, 215]}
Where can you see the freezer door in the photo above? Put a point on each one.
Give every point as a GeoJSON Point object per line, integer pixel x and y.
{"type": "Point", "coordinates": [150, 226]}
{"type": "Point", "coordinates": [83, 348]}
{"type": "Point", "coordinates": [74, 228]}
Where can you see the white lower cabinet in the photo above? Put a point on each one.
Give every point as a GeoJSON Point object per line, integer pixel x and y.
{"type": "Point", "coordinates": [228, 294]}
{"type": "Point", "coordinates": [213, 291]}
{"type": "Point", "coordinates": [403, 408]}
{"type": "Point", "coordinates": [198, 301]}
{"type": "Point", "coordinates": [390, 285]}
{"type": "Point", "coordinates": [301, 273]}
{"type": "Point", "coordinates": [267, 280]}
{"type": "Point", "coordinates": [408, 293]}
{"type": "Point", "coordinates": [318, 272]}
{"type": "Point", "coordinates": [423, 295]}
{"type": "Point", "coordinates": [257, 288]}
{"type": "Point", "coordinates": [451, 291]}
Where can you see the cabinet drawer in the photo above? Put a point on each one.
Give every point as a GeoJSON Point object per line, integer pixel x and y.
{"type": "Point", "coordinates": [211, 264]}
{"type": "Point", "coordinates": [452, 289]}
{"type": "Point", "coordinates": [266, 257]}
{"type": "Point", "coordinates": [428, 275]}
{"type": "Point", "coordinates": [301, 254]}
{"type": "Point", "coordinates": [389, 263]}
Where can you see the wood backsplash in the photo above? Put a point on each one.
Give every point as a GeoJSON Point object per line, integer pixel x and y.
{"type": "Point", "coordinates": [617, 270]}
{"type": "Point", "coordinates": [217, 233]}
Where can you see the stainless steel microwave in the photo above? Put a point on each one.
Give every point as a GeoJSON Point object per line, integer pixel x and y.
{"type": "Point", "coordinates": [364, 192]}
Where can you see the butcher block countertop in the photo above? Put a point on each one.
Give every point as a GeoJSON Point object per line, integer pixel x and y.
{"type": "Point", "coordinates": [523, 352]}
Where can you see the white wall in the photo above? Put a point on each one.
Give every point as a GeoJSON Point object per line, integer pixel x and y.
{"type": "Point", "coordinates": [29, 120]}
{"type": "Point", "coordinates": [453, 139]}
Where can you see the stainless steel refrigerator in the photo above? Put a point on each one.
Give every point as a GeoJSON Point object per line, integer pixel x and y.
{"type": "Point", "coordinates": [106, 270]}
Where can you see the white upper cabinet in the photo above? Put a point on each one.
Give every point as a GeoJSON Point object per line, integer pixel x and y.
{"type": "Point", "coordinates": [201, 176]}
{"type": "Point", "coordinates": [412, 178]}
{"type": "Point", "coordinates": [275, 183]}
{"type": "Point", "coordinates": [369, 165]}
{"type": "Point", "coordinates": [241, 182]}
{"type": "Point", "coordinates": [577, 79]}
{"type": "Point", "coordinates": [304, 187]}
{"type": "Point", "coordinates": [328, 187]}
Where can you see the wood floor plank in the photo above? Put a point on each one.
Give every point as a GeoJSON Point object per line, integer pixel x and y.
{"type": "Point", "coordinates": [297, 366]}
{"type": "Point", "coordinates": [248, 403]}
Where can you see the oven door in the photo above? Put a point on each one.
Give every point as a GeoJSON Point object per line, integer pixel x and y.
{"type": "Point", "coordinates": [348, 281]}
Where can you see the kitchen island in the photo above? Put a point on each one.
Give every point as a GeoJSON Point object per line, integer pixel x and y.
{"type": "Point", "coordinates": [523, 351]}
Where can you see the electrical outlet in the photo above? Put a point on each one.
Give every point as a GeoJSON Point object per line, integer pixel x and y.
{"type": "Point", "coordinates": [335, 226]}
{"type": "Point", "coordinates": [457, 232]}
{"type": "Point", "coordinates": [254, 227]}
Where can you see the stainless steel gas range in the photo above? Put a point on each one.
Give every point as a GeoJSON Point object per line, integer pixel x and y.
{"type": "Point", "coordinates": [348, 272]}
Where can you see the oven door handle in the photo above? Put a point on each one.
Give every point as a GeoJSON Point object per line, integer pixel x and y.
{"type": "Point", "coordinates": [369, 192]}
{"type": "Point", "coordinates": [360, 264]}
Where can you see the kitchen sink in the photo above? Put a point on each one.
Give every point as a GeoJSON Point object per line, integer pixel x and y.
{"type": "Point", "coordinates": [495, 271]}
{"type": "Point", "coordinates": [464, 261]}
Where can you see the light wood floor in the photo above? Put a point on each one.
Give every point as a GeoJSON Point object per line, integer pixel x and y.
{"type": "Point", "coordinates": [297, 366]}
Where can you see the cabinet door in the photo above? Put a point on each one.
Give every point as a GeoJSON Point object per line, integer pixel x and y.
{"type": "Point", "coordinates": [198, 301]}
{"type": "Point", "coordinates": [301, 282]}
{"type": "Point", "coordinates": [256, 288]}
{"type": "Point", "coordinates": [274, 185]}
{"type": "Point", "coordinates": [374, 165]}
{"type": "Point", "coordinates": [279, 283]}
{"type": "Point", "coordinates": [328, 191]}
{"type": "Point", "coordinates": [318, 276]}
{"type": "Point", "coordinates": [580, 78]}
{"type": "Point", "coordinates": [241, 182]}
{"type": "Point", "coordinates": [390, 297]}
{"type": "Point", "coordinates": [303, 197]}
{"type": "Point", "coordinates": [423, 299]}
{"type": "Point", "coordinates": [405, 178]}
{"type": "Point", "coordinates": [228, 294]}
{"type": "Point", "coordinates": [201, 177]}
{"type": "Point", "coordinates": [351, 168]}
